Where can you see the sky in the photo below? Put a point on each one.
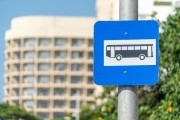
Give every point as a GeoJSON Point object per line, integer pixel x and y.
{"type": "Point", "coordinates": [10, 9]}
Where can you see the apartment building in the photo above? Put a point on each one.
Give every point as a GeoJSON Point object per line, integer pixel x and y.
{"type": "Point", "coordinates": [109, 9]}
{"type": "Point", "coordinates": [162, 8]}
{"type": "Point", "coordinates": [48, 60]}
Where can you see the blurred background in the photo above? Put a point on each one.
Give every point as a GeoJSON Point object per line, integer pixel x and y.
{"type": "Point", "coordinates": [47, 61]}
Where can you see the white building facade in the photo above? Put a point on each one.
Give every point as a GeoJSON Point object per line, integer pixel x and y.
{"type": "Point", "coordinates": [109, 9]}
{"type": "Point", "coordinates": [48, 60]}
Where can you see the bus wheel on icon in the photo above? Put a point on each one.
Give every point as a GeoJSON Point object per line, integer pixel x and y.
{"type": "Point", "coordinates": [142, 56]}
{"type": "Point", "coordinates": [118, 57]}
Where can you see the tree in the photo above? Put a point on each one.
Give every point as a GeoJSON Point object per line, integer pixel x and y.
{"type": "Point", "coordinates": [89, 113]}
{"type": "Point", "coordinates": [8, 112]}
{"type": "Point", "coordinates": [161, 101]}
{"type": "Point", "coordinates": [107, 110]}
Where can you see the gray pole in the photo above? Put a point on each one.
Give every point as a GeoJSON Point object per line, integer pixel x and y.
{"type": "Point", "coordinates": [127, 95]}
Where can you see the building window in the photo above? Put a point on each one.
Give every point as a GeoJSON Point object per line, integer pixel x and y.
{"type": "Point", "coordinates": [76, 67]}
{"type": "Point", "coordinates": [76, 79]}
{"type": "Point", "coordinates": [90, 80]}
{"type": "Point", "coordinates": [58, 115]}
{"type": "Point", "coordinates": [60, 66]}
{"type": "Point", "coordinates": [73, 104]}
{"type": "Point", "coordinates": [43, 104]}
{"type": "Point", "coordinates": [77, 42]}
{"type": "Point", "coordinates": [60, 79]}
{"type": "Point", "coordinates": [30, 54]}
{"type": "Point", "coordinates": [90, 67]}
{"type": "Point", "coordinates": [7, 56]}
{"type": "Point", "coordinates": [162, 3]}
{"type": "Point", "coordinates": [43, 116]}
{"type": "Point", "coordinates": [30, 42]}
{"type": "Point", "coordinates": [43, 92]}
{"type": "Point", "coordinates": [90, 43]}
{"type": "Point", "coordinates": [43, 79]}
{"type": "Point", "coordinates": [29, 103]}
{"type": "Point", "coordinates": [44, 42]}
{"type": "Point", "coordinates": [16, 67]}
{"type": "Point", "coordinates": [90, 92]}
{"type": "Point", "coordinates": [75, 92]}
{"type": "Point", "coordinates": [44, 67]}
{"type": "Point", "coordinates": [59, 91]}
{"type": "Point", "coordinates": [60, 42]}
{"type": "Point", "coordinates": [17, 43]}
{"type": "Point", "coordinates": [77, 55]}
{"type": "Point", "coordinates": [29, 79]}
{"type": "Point", "coordinates": [44, 54]}
{"type": "Point", "coordinates": [59, 104]}
{"type": "Point", "coordinates": [16, 92]}
{"type": "Point", "coordinates": [29, 91]}
{"type": "Point", "coordinates": [29, 67]}
{"type": "Point", "coordinates": [60, 54]}
{"type": "Point", "coordinates": [16, 79]}
{"type": "Point", "coordinates": [16, 55]}
{"type": "Point", "coordinates": [90, 55]}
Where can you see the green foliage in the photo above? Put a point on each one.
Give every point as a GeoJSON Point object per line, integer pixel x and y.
{"type": "Point", "coordinates": [162, 101]}
{"type": "Point", "coordinates": [88, 113]}
{"type": "Point", "coordinates": [106, 111]}
{"type": "Point", "coordinates": [158, 102]}
{"type": "Point", "coordinates": [108, 108]}
{"type": "Point", "coordinates": [59, 119]}
{"type": "Point", "coordinates": [8, 112]}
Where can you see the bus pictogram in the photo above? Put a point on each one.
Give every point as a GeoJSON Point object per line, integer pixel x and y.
{"type": "Point", "coordinates": [140, 51]}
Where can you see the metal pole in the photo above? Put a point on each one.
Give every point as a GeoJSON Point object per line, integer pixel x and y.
{"type": "Point", "coordinates": [128, 10]}
{"type": "Point", "coordinates": [127, 95]}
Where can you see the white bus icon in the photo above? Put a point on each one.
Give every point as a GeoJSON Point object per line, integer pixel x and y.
{"type": "Point", "coordinates": [140, 51]}
{"type": "Point", "coordinates": [129, 52]}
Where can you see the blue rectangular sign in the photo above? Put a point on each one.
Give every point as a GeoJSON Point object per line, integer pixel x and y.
{"type": "Point", "coordinates": [126, 52]}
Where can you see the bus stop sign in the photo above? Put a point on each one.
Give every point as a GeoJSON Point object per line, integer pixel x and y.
{"type": "Point", "coordinates": [126, 52]}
